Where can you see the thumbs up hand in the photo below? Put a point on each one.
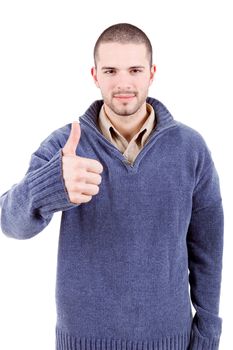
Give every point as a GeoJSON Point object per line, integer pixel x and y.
{"type": "Point", "coordinates": [81, 175]}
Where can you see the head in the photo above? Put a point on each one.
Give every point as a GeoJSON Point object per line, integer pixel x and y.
{"type": "Point", "coordinates": [123, 68]}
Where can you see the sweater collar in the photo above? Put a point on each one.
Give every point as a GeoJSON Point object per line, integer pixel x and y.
{"type": "Point", "coordinates": [163, 117]}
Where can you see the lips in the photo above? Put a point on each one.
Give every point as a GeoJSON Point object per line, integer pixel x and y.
{"type": "Point", "coordinates": [124, 96]}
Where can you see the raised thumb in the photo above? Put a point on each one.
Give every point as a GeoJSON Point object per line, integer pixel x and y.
{"type": "Point", "coordinates": [73, 140]}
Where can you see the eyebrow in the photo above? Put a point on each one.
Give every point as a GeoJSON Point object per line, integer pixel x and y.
{"type": "Point", "coordinates": [133, 67]}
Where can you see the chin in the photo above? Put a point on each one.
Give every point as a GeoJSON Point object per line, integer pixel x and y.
{"type": "Point", "coordinates": [126, 112]}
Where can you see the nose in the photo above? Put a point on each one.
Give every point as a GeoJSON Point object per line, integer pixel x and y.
{"type": "Point", "coordinates": [123, 82]}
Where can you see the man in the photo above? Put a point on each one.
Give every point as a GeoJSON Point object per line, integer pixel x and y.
{"type": "Point", "coordinates": [142, 217]}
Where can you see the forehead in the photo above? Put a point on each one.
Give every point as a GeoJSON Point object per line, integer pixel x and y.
{"type": "Point", "coordinates": [115, 54]}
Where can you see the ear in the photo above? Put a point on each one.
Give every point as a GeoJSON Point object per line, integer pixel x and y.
{"type": "Point", "coordinates": [94, 75]}
{"type": "Point", "coordinates": [152, 73]}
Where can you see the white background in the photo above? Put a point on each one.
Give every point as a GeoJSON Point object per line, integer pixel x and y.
{"type": "Point", "coordinates": [45, 82]}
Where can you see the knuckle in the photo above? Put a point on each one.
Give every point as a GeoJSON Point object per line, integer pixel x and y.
{"type": "Point", "coordinates": [74, 199]}
{"type": "Point", "coordinates": [82, 175]}
{"type": "Point", "coordinates": [88, 199]}
{"type": "Point", "coordinates": [100, 168]}
{"type": "Point", "coordinates": [96, 189]}
{"type": "Point", "coordinates": [78, 186]}
{"type": "Point", "coordinates": [100, 179]}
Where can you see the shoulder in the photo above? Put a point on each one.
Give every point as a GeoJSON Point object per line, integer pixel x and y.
{"type": "Point", "coordinates": [190, 134]}
{"type": "Point", "coordinates": [193, 144]}
{"type": "Point", "coordinates": [57, 137]}
{"type": "Point", "coordinates": [52, 143]}
{"type": "Point", "coordinates": [191, 137]}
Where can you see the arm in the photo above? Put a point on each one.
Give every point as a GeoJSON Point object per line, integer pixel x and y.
{"type": "Point", "coordinates": [205, 248]}
{"type": "Point", "coordinates": [28, 207]}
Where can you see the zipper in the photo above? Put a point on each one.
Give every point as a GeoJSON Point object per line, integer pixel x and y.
{"type": "Point", "coordinates": [156, 133]}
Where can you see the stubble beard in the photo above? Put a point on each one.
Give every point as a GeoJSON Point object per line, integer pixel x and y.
{"type": "Point", "coordinates": [125, 109]}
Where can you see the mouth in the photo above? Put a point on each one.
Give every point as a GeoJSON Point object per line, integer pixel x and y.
{"type": "Point", "coordinates": [126, 97]}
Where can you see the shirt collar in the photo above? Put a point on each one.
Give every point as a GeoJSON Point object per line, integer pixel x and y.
{"type": "Point", "coordinates": [109, 131]}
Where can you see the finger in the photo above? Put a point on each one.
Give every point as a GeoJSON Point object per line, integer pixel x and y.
{"type": "Point", "coordinates": [73, 140]}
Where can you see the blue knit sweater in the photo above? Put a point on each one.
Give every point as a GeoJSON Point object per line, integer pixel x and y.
{"type": "Point", "coordinates": [127, 258]}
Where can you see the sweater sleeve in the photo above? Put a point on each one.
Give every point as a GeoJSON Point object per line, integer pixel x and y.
{"type": "Point", "coordinates": [28, 207]}
{"type": "Point", "coordinates": [205, 248]}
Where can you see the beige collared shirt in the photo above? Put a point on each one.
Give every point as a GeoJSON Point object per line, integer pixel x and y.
{"type": "Point", "coordinates": [130, 149]}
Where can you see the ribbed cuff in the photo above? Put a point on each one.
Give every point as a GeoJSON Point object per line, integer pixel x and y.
{"type": "Point", "coordinates": [47, 187]}
{"type": "Point", "coordinates": [206, 330]}
{"type": "Point", "coordinates": [197, 342]}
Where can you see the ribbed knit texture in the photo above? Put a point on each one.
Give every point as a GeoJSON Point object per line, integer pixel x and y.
{"type": "Point", "coordinates": [127, 258]}
{"type": "Point", "coordinates": [65, 341]}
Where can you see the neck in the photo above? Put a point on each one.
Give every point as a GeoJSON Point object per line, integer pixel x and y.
{"type": "Point", "coordinates": [128, 125]}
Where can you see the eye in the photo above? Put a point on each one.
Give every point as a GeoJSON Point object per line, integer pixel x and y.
{"type": "Point", "coordinates": [109, 71]}
{"type": "Point", "coordinates": [136, 70]}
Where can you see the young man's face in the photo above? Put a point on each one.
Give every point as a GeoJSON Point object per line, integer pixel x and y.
{"type": "Point", "coordinates": [123, 74]}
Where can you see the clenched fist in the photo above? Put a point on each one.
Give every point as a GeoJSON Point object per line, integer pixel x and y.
{"type": "Point", "coordinates": [81, 175]}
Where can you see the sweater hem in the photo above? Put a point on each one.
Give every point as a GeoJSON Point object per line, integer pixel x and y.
{"type": "Point", "coordinates": [66, 341]}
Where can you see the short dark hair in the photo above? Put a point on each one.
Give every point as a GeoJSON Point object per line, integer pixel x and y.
{"type": "Point", "coordinates": [123, 33]}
